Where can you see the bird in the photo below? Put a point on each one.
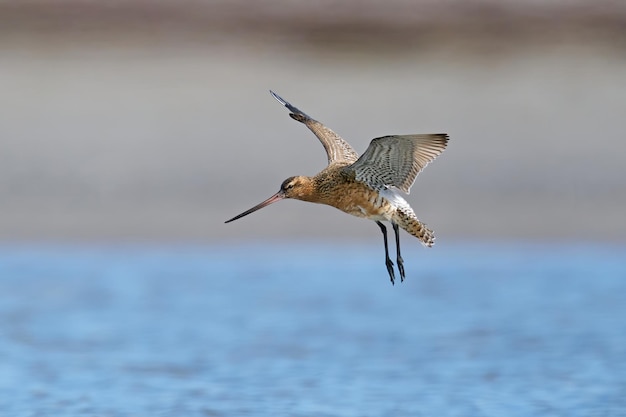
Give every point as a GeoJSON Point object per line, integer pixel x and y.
{"type": "Point", "coordinates": [367, 186]}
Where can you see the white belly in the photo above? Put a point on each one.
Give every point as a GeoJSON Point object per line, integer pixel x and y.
{"type": "Point", "coordinates": [395, 199]}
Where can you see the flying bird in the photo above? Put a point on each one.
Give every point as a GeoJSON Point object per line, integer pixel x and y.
{"type": "Point", "coordinates": [368, 186]}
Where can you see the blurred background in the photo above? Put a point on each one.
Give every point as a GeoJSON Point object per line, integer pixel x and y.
{"type": "Point", "coordinates": [152, 120]}
{"type": "Point", "coordinates": [131, 130]}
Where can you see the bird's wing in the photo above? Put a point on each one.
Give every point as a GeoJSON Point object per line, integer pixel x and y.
{"type": "Point", "coordinates": [337, 149]}
{"type": "Point", "coordinates": [396, 160]}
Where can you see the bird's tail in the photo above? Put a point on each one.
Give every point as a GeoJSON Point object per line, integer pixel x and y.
{"type": "Point", "coordinates": [412, 225]}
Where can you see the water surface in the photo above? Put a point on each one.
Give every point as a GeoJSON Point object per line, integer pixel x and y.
{"type": "Point", "coordinates": [312, 330]}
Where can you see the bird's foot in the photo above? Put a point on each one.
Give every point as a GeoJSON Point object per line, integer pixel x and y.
{"type": "Point", "coordinates": [400, 263]}
{"type": "Point", "coordinates": [392, 274]}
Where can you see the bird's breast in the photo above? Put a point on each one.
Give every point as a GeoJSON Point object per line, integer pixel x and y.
{"type": "Point", "coordinates": [362, 201]}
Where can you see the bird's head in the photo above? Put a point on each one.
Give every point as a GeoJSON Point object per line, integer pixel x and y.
{"type": "Point", "coordinates": [298, 187]}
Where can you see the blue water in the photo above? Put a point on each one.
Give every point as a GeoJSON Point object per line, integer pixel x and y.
{"type": "Point", "coordinates": [312, 330]}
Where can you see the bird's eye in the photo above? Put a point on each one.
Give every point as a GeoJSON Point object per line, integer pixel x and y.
{"type": "Point", "coordinates": [288, 184]}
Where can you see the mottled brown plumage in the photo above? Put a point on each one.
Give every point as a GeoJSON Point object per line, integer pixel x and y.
{"type": "Point", "coordinates": [365, 186]}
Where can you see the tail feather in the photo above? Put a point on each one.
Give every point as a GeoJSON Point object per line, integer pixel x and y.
{"type": "Point", "coordinates": [412, 225]}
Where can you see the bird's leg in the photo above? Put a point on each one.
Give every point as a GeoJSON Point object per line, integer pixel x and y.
{"type": "Point", "coordinates": [399, 260]}
{"type": "Point", "coordinates": [387, 259]}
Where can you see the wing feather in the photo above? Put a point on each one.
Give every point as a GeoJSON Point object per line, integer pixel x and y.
{"type": "Point", "coordinates": [337, 149]}
{"type": "Point", "coordinates": [397, 160]}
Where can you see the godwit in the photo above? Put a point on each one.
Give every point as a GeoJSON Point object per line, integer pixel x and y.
{"type": "Point", "coordinates": [365, 186]}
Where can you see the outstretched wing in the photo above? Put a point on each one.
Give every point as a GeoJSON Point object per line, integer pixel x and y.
{"type": "Point", "coordinates": [396, 160]}
{"type": "Point", "coordinates": [337, 149]}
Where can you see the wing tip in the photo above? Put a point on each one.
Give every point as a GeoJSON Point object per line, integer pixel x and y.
{"type": "Point", "coordinates": [296, 113]}
{"type": "Point", "coordinates": [443, 136]}
{"type": "Point", "coordinates": [279, 98]}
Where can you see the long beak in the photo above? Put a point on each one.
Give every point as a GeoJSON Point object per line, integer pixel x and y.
{"type": "Point", "coordinates": [276, 197]}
